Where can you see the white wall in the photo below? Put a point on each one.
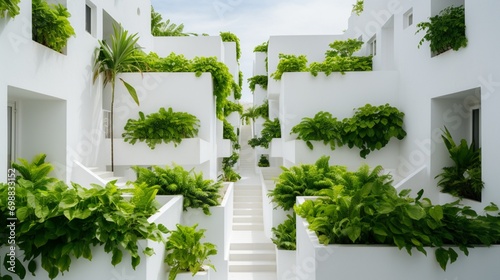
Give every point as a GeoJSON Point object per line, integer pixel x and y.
{"type": "Point", "coordinates": [190, 46]}
{"type": "Point", "coordinates": [259, 64]}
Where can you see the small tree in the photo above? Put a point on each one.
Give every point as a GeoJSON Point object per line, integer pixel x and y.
{"type": "Point", "coordinates": [112, 59]}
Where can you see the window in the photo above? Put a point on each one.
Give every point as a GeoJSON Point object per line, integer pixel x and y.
{"type": "Point", "coordinates": [372, 46]}
{"type": "Point", "coordinates": [88, 19]}
{"type": "Point", "coordinates": [106, 118]}
{"type": "Point", "coordinates": [476, 128]}
{"type": "Point", "coordinates": [11, 133]}
{"type": "Point", "coordinates": [408, 18]}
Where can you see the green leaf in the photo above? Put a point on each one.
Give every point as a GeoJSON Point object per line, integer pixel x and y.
{"type": "Point", "coordinates": [442, 257]}
{"type": "Point", "coordinates": [32, 267]}
{"type": "Point", "coordinates": [117, 256]}
{"type": "Point", "coordinates": [415, 212]}
{"type": "Point", "coordinates": [436, 212]}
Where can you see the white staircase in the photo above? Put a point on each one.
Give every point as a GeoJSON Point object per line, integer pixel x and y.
{"type": "Point", "coordinates": [252, 255]}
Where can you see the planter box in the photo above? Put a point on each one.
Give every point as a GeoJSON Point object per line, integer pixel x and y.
{"type": "Point", "coordinates": [191, 151]}
{"type": "Point", "coordinates": [218, 230]}
{"type": "Point", "coordinates": [316, 261]}
{"type": "Point", "coordinates": [276, 147]}
{"type": "Point", "coordinates": [224, 148]}
{"type": "Point", "coordinates": [297, 152]}
{"type": "Point", "coordinates": [200, 275]}
{"type": "Point", "coordinates": [151, 268]}
{"type": "Point", "coordinates": [285, 264]}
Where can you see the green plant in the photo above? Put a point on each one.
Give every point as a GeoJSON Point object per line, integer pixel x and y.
{"type": "Point", "coordinates": [51, 26]}
{"type": "Point", "coordinates": [165, 28]}
{"type": "Point", "coordinates": [270, 130]}
{"type": "Point", "coordinates": [230, 107]}
{"type": "Point", "coordinates": [463, 179]}
{"type": "Point", "coordinates": [289, 63]}
{"type": "Point", "coordinates": [372, 127]}
{"type": "Point", "coordinates": [249, 114]}
{"type": "Point", "coordinates": [58, 223]}
{"type": "Point", "coordinates": [358, 7]}
{"type": "Point", "coordinates": [164, 126]}
{"type": "Point", "coordinates": [263, 110]}
{"type": "Point", "coordinates": [285, 235]}
{"type": "Point", "coordinates": [229, 175]}
{"type": "Point", "coordinates": [306, 180]}
{"type": "Point", "coordinates": [262, 47]}
{"type": "Point", "coordinates": [340, 59]}
{"type": "Point", "coordinates": [263, 161]}
{"type": "Point", "coordinates": [112, 59]}
{"type": "Point", "coordinates": [230, 37]}
{"type": "Point", "coordinates": [445, 31]}
{"type": "Point", "coordinates": [322, 127]}
{"type": "Point", "coordinates": [185, 252]}
{"type": "Point", "coordinates": [261, 80]}
{"type": "Point", "coordinates": [175, 180]}
{"type": "Point", "coordinates": [9, 8]}
{"type": "Point", "coordinates": [228, 131]}
{"type": "Point", "coordinates": [236, 91]}
{"type": "Point", "coordinates": [372, 212]}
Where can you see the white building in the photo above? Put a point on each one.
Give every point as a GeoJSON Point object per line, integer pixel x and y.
{"type": "Point", "coordinates": [50, 104]}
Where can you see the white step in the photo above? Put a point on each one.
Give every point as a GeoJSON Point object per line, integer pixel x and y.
{"type": "Point", "coordinates": [252, 275]}
{"type": "Point", "coordinates": [250, 266]}
{"type": "Point", "coordinates": [248, 226]}
{"type": "Point", "coordinates": [251, 246]}
{"type": "Point", "coordinates": [248, 205]}
{"type": "Point", "coordinates": [256, 190]}
{"type": "Point", "coordinates": [104, 174]}
{"type": "Point", "coordinates": [243, 198]}
{"type": "Point", "coordinates": [248, 219]}
{"type": "Point", "coordinates": [248, 255]}
{"type": "Point", "coordinates": [247, 211]}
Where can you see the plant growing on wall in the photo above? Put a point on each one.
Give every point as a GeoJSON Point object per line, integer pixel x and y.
{"type": "Point", "coordinates": [185, 251]}
{"type": "Point", "coordinates": [231, 107]}
{"type": "Point", "coordinates": [228, 131]}
{"type": "Point", "coordinates": [262, 47]}
{"type": "Point", "coordinates": [263, 110]}
{"type": "Point", "coordinates": [9, 8]}
{"type": "Point", "coordinates": [110, 60]}
{"type": "Point", "coordinates": [50, 24]}
{"type": "Point", "coordinates": [165, 28]}
{"type": "Point", "coordinates": [228, 173]}
{"type": "Point", "coordinates": [59, 223]}
{"type": "Point", "coordinates": [374, 213]}
{"type": "Point", "coordinates": [463, 179]}
{"type": "Point", "coordinates": [285, 234]}
{"type": "Point", "coordinates": [270, 130]}
{"type": "Point", "coordinates": [236, 91]}
{"type": "Point", "coordinates": [289, 63]}
{"type": "Point", "coordinates": [322, 127]}
{"type": "Point", "coordinates": [445, 31]}
{"type": "Point", "coordinates": [340, 58]}
{"type": "Point", "coordinates": [231, 37]}
{"type": "Point", "coordinates": [358, 7]}
{"type": "Point", "coordinates": [175, 180]}
{"type": "Point", "coordinates": [165, 126]}
{"type": "Point", "coordinates": [257, 80]}
{"type": "Point", "coordinates": [372, 127]}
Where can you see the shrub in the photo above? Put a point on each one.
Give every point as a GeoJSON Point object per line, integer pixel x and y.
{"type": "Point", "coordinates": [289, 63]}
{"type": "Point", "coordinates": [262, 47]}
{"type": "Point", "coordinates": [322, 127]}
{"type": "Point", "coordinates": [230, 37]}
{"type": "Point", "coordinates": [257, 80]}
{"type": "Point", "coordinates": [9, 8]}
{"type": "Point", "coordinates": [285, 235]}
{"type": "Point", "coordinates": [263, 161]}
{"type": "Point", "coordinates": [51, 26]}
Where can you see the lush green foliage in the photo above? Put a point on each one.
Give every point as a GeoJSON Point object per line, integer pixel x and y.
{"type": "Point", "coordinates": [223, 83]}
{"type": "Point", "coordinates": [59, 223]}
{"type": "Point", "coordinates": [372, 127]}
{"type": "Point", "coordinates": [445, 31]}
{"type": "Point", "coordinates": [285, 235]}
{"type": "Point", "coordinates": [228, 131]}
{"type": "Point", "coordinates": [175, 180]}
{"type": "Point", "coordinates": [240, 78]}
{"type": "Point", "coordinates": [249, 114]}
{"type": "Point", "coordinates": [112, 59]}
{"type": "Point", "coordinates": [304, 180]}
{"type": "Point", "coordinates": [185, 252]}
{"type": "Point", "coordinates": [263, 110]}
{"type": "Point", "coordinates": [51, 26]}
{"type": "Point", "coordinates": [263, 161]}
{"type": "Point", "coordinates": [230, 107]}
{"type": "Point", "coordinates": [289, 63]}
{"type": "Point", "coordinates": [230, 37]}
{"type": "Point", "coordinates": [164, 126]}
{"type": "Point", "coordinates": [322, 127]}
{"type": "Point", "coordinates": [340, 58]}
{"type": "Point", "coordinates": [9, 8]}
{"type": "Point", "coordinates": [372, 212]}
{"type": "Point", "coordinates": [229, 175]}
{"type": "Point", "coordinates": [262, 47]}
{"type": "Point", "coordinates": [165, 28]}
{"type": "Point", "coordinates": [236, 91]}
{"type": "Point", "coordinates": [271, 129]}
{"type": "Point", "coordinates": [261, 80]}
{"type": "Point", "coordinates": [358, 7]}
{"type": "Point", "coordinates": [463, 179]}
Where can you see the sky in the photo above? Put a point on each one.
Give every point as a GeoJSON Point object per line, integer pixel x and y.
{"type": "Point", "coordinates": [254, 21]}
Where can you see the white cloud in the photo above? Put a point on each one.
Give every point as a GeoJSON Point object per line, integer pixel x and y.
{"type": "Point", "coordinates": [254, 21]}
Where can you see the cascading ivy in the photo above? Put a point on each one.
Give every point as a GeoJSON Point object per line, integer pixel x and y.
{"type": "Point", "coordinates": [262, 47]}
{"type": "Point", "coordinates": [261, 80]}
{"type": "Point", "coordinates": [231, 37]}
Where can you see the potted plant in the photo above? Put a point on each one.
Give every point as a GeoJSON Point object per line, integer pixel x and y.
{"type": "Point", "coordinates": [463, 179]}
{"type": "Point", "coordinates": [285, 240]}
{"type": "Point", "coordinates": [187, 256]}
{"type": "Point", "coordinates": [445, 31]}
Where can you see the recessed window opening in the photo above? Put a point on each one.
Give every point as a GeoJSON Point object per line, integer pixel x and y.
{"type": "Point", "coordinates": [476, 128]}
{"type": "Point", "coordinates": [372, 46]}
{"type": "Point", "coordinates": [408, 18]}
{"type": "Point", "coordinates": [88, 19]}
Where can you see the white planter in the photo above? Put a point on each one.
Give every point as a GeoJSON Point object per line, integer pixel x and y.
{"type": "Point", "coordinates": [201, 275]}
{"type": "Point", "coordinates": [285, 264]}
{"type": "Point", "coordinates": [318, 262]}
{"type": "Point", "coordinates": [218, 229]}
{"type": "Point", "coordinates": [276, 147]}
{"type": "Point", "coordinates": [150, 267]}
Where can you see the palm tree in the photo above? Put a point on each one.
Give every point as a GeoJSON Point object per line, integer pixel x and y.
{"type": "Point", "coordinates": [112, 59]}
{"type": "Point", "coordinates": [249, 114]}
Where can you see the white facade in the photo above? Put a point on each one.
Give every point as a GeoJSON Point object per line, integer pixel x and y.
{"type": "Point", "coordinates": [432, 91]}
{"type": "Point", "coordinates": [59, 111]}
